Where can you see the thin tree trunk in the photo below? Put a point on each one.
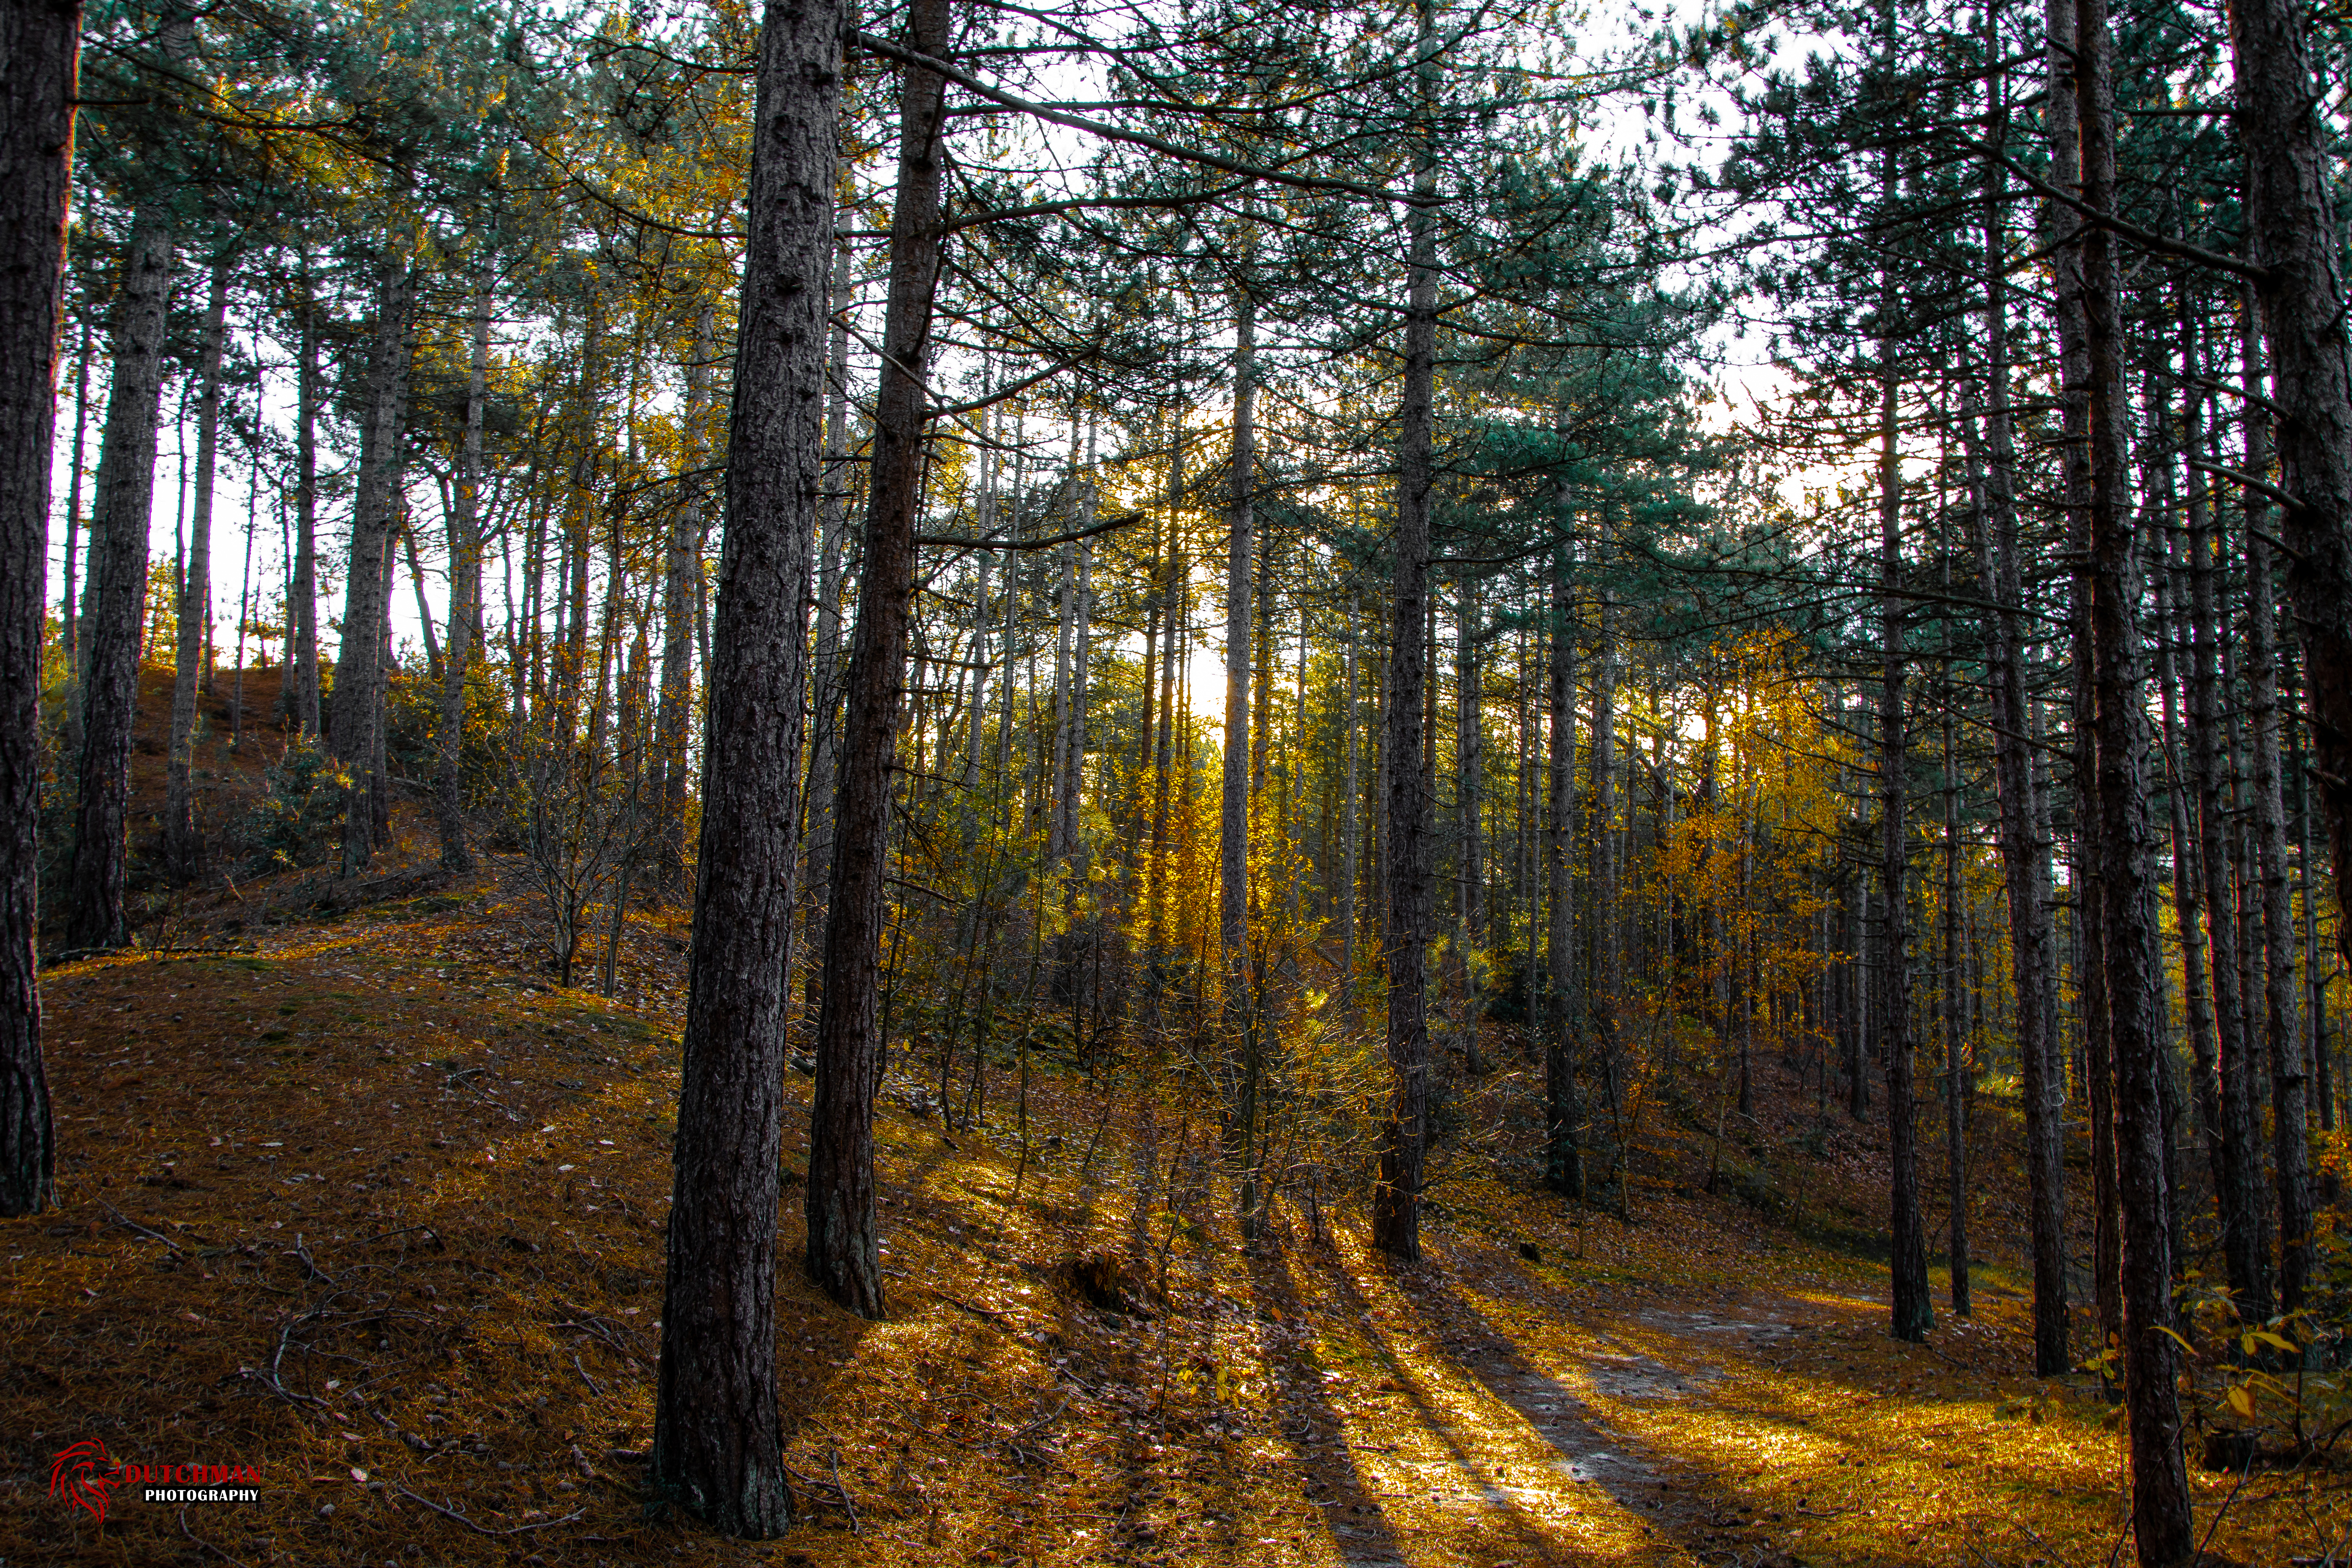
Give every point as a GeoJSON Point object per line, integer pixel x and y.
{"type": "Point", "coordinates": [2160, 1504]}
{"type": "Point", "coordinates": [1234, 795]}
{"type": "Point", "coordinates": [1563, 1110]}
{"type": "Point", "coordinates": [183, 847]}
{"type": "Point", "coordinates": [302, 694]}
{"type": "Point", "coordinates": [40, 43]}
{"type": "Point", "coordinates": [1913, 1307]}
{"type": "Point", "coordinates": [825, 763]}
{"type": "Point", "coordinates": [717, 1426]}
{"type": "Point", "coordinates": [73, 509]}
{"type": "Point", "coordinates": [1604, 974]}
{"type": "Point", "coordinates": [2245, 1238]}
{"type": "Point", "coordinates": [2289, 1118]}
{"type": "Point", "coordinates": [842, 1242]}
{"type": "Point", "coordinates": [354, 726]}
{"type": "Point", "coordinates": [465, 591]}
{"type": "Point", "coordinates": [2024, 848]}
{"type": "Point", "coordinates": [1351, 841]}
{"type": "Point", "coordinates": [118, 586]}
{"type": "Point", "coordinates": [1396, 1196]}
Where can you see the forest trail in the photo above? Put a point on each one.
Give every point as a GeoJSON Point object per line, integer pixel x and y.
{"type": "Point", "coordinates": [364, 1200]}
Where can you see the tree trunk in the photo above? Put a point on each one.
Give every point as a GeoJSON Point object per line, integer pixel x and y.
{"type": "Point", "coordinates": [73, 517]}
{"type": "Point", "coordinates": [1406, 841]}
{"type": "Point", "coordinates": [842, 1244]}
{"type": "Point", "coordinates": [457, 654]}
{"type": "Point", "coordinates": [1563, 1113]}
{"type": "Point", "coordinates": [1233, 794]}
{"type": "Point", "coordinates": [2291, 221]}
{"type": "Point", "coordinates": [1604, 975]}
{"type": "Point", "coordinates": [354, 726]}
{"type": "Point", "coordinates": [682, 566]}
{"type": "Point", "coordinates": [2245, 1230]}
{"type": "Point", "coordinates": [2289, 1119]}
{"type": "Point", "coordinates": [717, 1425]}
{"type": "Point", "coordinates": [40, 43]}
{"type": "Point", "coordinates": [2024, 850]}
{"type": "Point", "coordinates": [1914, 1307]}
{"type": "Point", "coordinates": [302, 694]}
{"type": "Point", "coordinates": [182, 847]}
{"type": "Point", "coordinates": [1350, 838]}
{"type": "Point", "coordinates": [2160, 1505]}
{"type": "Point", "coordinates": [118, 586]}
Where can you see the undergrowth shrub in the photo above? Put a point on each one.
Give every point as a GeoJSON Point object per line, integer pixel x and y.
{"type": "Point", "coordinates": [298, 820]}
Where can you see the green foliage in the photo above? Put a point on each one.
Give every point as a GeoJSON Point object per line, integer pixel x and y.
{"type": "Point", "coordinates": [300, 811]}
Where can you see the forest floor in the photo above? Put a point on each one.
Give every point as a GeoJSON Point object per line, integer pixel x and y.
{"type": "Point", "coordinates": [436, 1343]}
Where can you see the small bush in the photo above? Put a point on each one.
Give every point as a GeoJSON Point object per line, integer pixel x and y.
{"type": "Point", "coordinates": [298, 819]}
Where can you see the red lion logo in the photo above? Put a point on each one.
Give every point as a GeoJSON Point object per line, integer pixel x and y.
{"type": "Point", "coordinates": [84, 1476]}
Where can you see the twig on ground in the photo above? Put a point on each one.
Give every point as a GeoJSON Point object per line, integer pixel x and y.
{"type": "Point", "coordinates": [2223, 1511]}
{"type": "Point", "coordinates": [584, 1377]}
{"type": "Point", "coordinates": [129, 1224]}
{"type": "Point", "coordinates": [484, 1528]}
{"type": "Point", "coordinates": [832, 1454]}
{"type": "Point", "coordinates": [205, 1544]}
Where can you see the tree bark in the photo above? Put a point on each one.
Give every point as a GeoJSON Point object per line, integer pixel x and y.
{"type": "Point", "coordinates": [301, 694]}
{"type": "Point", "coordinates": [2024, 851]}
{"type": "Point", "coordinates": [118, 586]}
{"type": "Point", "coordinates": [1407, 839]}
{"type": "Point", "coordinates": [1914, 1307]}
{"type": "Point", "coordinates": [2127, 886]}
{"type": "Point", "coordinates": [717, 1426]}
{"type": "Point", "coordinates": [457, 654]}
{"type": "Point", "coordinates": [2290, 222]}
{"type": "Point", "coordinates": [1234, 790]}
{"type": "Point", "coordinates": [183, 847]}
{"type": "Point", "coordinates": [40, 44]}
{"type": "Point", "coordinates": [2289, 1118]}
{"type": "Point", "coordinates": [2245, 1230]}
{"type": "Point", "coordinates": [354, 727]}
{"type": "Point", "coordinates": [843, 1258]}
{"type": "Point", "coordinates": [1563, 1110]}
{"type": "Point", "coordinates": [682, 565]}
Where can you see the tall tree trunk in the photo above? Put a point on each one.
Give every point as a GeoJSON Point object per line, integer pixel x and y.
{"type": "Point", "coordinates": [2061, 235]}
{"type": "Point", "coordinates": [1914, 1307]}
{"type": "Point", "coordinates": [1233, 794]}
{"type": "Point", "coordinates": [354, 726]}
{"type": "Point", "coordinates": [2024, 850]}
{"type": "Point", "coordinates": [717, 1426]}
{"type": "Point", "coordinates": [2245, 1230]}
{"type": "Point", "coordinates": [2160, 1505]}
{"type": "Point", "coordinates": [825, 763]}
{"type": "Point", "coordinates": [1351, 799]}
{"type": "Point", "coordinates": [681, 566]}
{"type": "Point", "coordinates": [1956, 1095]}
{"type": "Point", "coordinates": [182, 847]}
{"type": "Point", "coordinates": [40, 43]}
{"type": "Point", "coordinates": [73, 514]}
{"type": "Point", "coordinates": [1406, 840]}
{"type": "Point", "coordinates": [2188, 898]}
{"type": "Point", "coordinates": [1604, 971]}
{"type": "Point", "coordinates": [2289, 1117]}
{"type": "Point", "coordinates": [301, 695]}
{"type": "Point", "coordinates": [843, 1258]}
{"type": "Point", "coordinates": [1563, 1113]}
{"type": "Point", "coordinates": [118, 586]}
{"type": "Point", "coordinates": [459, 653]}
{"type": "Point", "coordinates": [1470, 783]}
{"type": "Point", "coordinates": [2291, 221]}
